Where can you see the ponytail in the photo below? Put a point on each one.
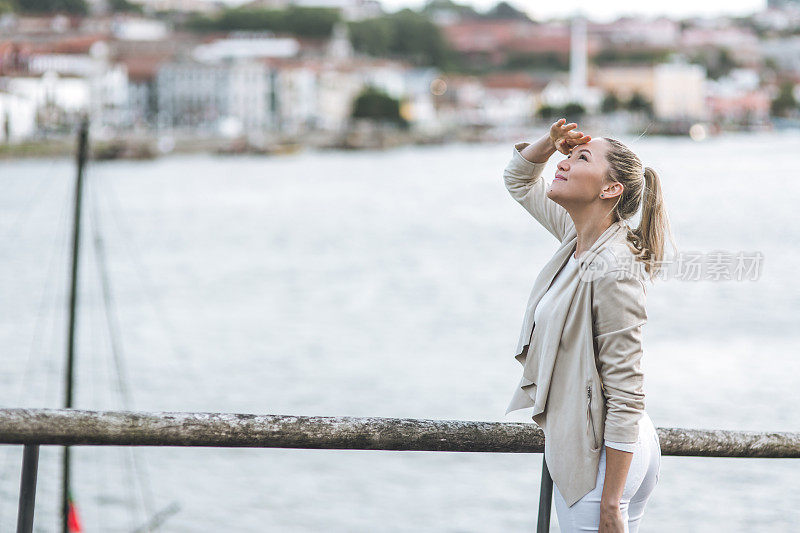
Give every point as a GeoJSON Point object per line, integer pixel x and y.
{"type": "Point", "coordinates": [648, 239]}
{"type": "Point", "coordinates": [641, 189]}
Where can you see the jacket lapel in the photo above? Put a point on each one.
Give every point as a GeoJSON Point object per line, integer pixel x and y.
{"type": "Point", "coordinates": [544, 345]}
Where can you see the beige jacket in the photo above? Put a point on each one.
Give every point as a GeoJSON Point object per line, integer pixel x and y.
{"type": "Point", "coordinates": [581, 369]}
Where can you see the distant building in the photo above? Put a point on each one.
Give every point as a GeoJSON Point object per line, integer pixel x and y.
{"type": "Point", "coordinates": [241, 45]}
{"type": "Point", "coordinates": [139, 29]}
{"type": "Point", "coordinates": [142, 91]}
{"type": "Point", "coordinates": [68, 77]}
{"type": "Point", "coordinates": [510, 99]}
{"type": "Point", "coordinates": [777, 4]}
{"type": "Point", "coordinates": [350, 9]}
{"type": "Point", "coordinates": [661, 32]}
{"type": "Point", "coordinates": [17, 118]}
{"type": "Point", "coordinates": [741, 43]}
{"type": "Point", "coordinates": [181, 6]}
{"type": "Point", "coordinates": [625, 81]}
{"type": "Point", "coordinates": [679, 91]}
{"type": "Point", "coordinates": [676, 90]}
{"type": "Point", "coordinates": [738, 98]}
{"type": "Point", "coordinates": [202, 96]}
{"type": "Point", "coordinates": [785, 52]}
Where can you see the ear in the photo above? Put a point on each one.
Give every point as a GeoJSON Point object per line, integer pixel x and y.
{"type": "Point", "coordinates": [612, 189]}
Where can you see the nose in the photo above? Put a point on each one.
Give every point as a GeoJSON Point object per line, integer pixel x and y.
{"type": "Point", "coordinates": [563, 165]}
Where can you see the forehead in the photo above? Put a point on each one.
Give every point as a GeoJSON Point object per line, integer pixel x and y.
{"type": "Point", "coordinates": [596, 146]}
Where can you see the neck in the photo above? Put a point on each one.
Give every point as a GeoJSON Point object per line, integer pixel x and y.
{"type": "Point", "coordinates": [589, 226]}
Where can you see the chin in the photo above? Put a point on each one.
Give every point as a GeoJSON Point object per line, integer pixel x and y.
{"type": "Point", "coordinates": [553, 196]}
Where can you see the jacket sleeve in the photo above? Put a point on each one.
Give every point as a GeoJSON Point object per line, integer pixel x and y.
{"type": "Point", "coordinates": [618, 310]}
{"type": "Point", "coordinates": [523, 180]}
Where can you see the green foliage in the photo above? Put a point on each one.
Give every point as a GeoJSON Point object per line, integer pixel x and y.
{"type": "Point", "coordinates": [505, 11]}
{"type": "Point", "coordinates": [464, 11]}
{"type": "Point", "coordinates": [123, 6]}
{"type": "Point", "coordinates": [609, 56]}
{"type": "Point", "coordinates": [638, 102]}
{"type": "Point", "coordinates": [418, 39]}
{"type": "Point", "coordinates": [374, 104]}
{"type": "Point", "coordinates": [573, 112]}
{"type": "Point", "coordinates": [610, 103]}
{"type": "Point", "coordinates": [311, 21]}
{"type": "Point", "coordinates": [301, 21]}
{"type": "Point", "coordinates": [537, 60]}
{"type": "Point", "coordinates": [546, 111]}
{"type": "Point", "coordinates": [784, 103]}
{"type": "Point", "coordinates": [73, 7]}
{"type": "Point", "coordinates": [718, 62]}
{"type": "Point", "coordinates": [405, 34]}
{"type": "Point", "coordinates": [374, 37]}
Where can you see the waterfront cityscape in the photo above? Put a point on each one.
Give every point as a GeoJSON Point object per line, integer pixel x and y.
{"type": "Point", "coordinates": [251, 251]}
{"type": "Point", "coordinates": [155, 76]}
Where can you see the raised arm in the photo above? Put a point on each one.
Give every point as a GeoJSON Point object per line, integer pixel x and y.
{"type": "Point", "coordinates": [523, 173]}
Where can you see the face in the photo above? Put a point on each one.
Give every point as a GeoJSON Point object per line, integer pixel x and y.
{"type": "Point", "coordinates": [580, 178]}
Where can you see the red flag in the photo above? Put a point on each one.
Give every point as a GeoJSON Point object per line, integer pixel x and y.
{"type": "Point", "coordinates": [73, 524]}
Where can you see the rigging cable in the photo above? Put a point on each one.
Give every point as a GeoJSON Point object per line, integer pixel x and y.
{"type": "Point", "coordinates": [112, 323]}
{"type": "Point", "coordinates": [47, 302]}
{"type": "Point", "coordinates": [186, 362]}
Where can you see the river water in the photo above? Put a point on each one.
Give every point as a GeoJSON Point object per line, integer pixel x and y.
{"type": "Point", "coordinates": [385, 284]}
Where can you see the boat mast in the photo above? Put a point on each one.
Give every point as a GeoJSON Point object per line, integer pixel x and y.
{"type": "Point", "coordinates": [76, 229]}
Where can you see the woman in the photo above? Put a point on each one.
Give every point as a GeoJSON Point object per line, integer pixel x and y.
{"type": "Point", "coordinates": [580, 344]}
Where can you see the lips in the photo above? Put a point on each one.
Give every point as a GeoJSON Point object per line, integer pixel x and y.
{"type": "Point", "coordinates": [560, 177]}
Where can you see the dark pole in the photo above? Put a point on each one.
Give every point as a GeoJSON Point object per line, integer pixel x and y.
{"type": "Point", "coordinates": [545, 499]}
{"type": "Point", "coordinates": [73, 296]}
{"type": "Point", "coordinates": [27, 488]}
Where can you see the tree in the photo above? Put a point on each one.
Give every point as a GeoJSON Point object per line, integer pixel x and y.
{"type": "Point", "coordinates": [405, 34]}
{"type": "Point", "coordinates": [785, 102]}
{"type": "Point", "coordinates": [610, 103]}
{"type": "Point", "coordinates": [505, 11]}
{"type": "Point", "coordinates": [547, 111]}
{"type": "Point", "coordinates": [74, 7]}
{"type": "Point", "coordinates": [610, 56]}
{"type": "Point", "coordinates": [464, 11]}
{"type": "Point", "coordinates": [418, 39]}
{"type": "Point", "coordinates": [573, 109]}
{"type": "Point", "coordinates": [124, 6]}
{"type": "Point", "coordinates": [374, 104]}
{"type": "Point", "coordinates": [638, 102]}
{"type": "Point", "coordinates": [537, 60]}
{"type": "Point", "coordinates": [374, 37]}
{"type": "Point", "coordinates": [311, 21]}
{"type": "Point", "coordinates": [717, 62]}
{"type": "Point", "coordinates": [302, 21]}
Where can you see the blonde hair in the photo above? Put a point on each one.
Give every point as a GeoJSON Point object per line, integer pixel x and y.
{"type": "Point", "coordinates": [641, 188]}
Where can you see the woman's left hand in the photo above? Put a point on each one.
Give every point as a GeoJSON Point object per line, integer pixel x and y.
{"type": "Point", "coordinates": [611, 520]}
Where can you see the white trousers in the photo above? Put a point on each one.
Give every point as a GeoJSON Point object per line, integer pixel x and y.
{"type": "Point", "coordinates": [645, 469]}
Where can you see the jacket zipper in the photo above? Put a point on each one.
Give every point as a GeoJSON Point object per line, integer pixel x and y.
{"type": "Point", "coordinates": [589, 409]}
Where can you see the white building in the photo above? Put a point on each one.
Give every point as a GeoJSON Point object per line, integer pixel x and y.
{"type": "Point", "coordinates": [72, 83]}
{"type": "Point", "coordinates": [139, 29]}
{"type": "Point", "coordinates": [350, 9]}
{"type": "Point", "coordinates": [296, 99]}
{"type": "Point", "coordinates": [66, 94]}
{"type": "Point", "coordinates": [249, 96]}
{"type": "Point", "coordinates": [244, 46]}
{"type": "Point", "coordinates": [679, 91]}
{"type": "Point", "coordinates": [17, 118]}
